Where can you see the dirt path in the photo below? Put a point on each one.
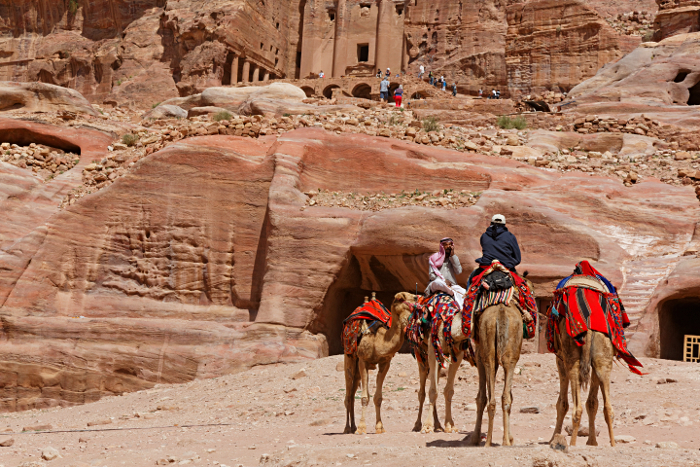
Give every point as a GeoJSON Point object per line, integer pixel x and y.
{"type": "Point", "coordinates": [265, 417]}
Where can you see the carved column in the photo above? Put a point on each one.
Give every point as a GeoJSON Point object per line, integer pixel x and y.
{"type": "Point", "coordinates": [266, 76]}
{"type": "Point", "coordinates": [246, 71]}
{"type": "Point", "coordinates": [256, 74]}
{"type": "Point", "coordinates": [382, 56]}
{"type": "Point", "coordinates": [234, 71]}
{"type": "Point", "coordinates": [340, 45]}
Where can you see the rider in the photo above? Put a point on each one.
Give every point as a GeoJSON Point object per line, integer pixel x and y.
{"type": "Point", "coordinates": [497, 243]}
{"type": "Point", "coordinates": [443, 270]}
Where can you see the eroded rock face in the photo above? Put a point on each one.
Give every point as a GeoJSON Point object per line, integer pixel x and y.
{"type": "Point", "coordinates": [208, 257]}
{"type": "Point", "coordinates": [38, 97]}
{"type": "Point", "coordinates": [656, 78]}
{"type": "Point", "coordinates": [676, 17]}
{"type": "Point", "coordinates": [577, 43]}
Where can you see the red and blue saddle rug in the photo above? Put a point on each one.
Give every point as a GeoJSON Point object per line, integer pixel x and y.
{"type": "Point", "coordinates": [373, 311]}
{"type": "Point", "coordinates": [585, 308]}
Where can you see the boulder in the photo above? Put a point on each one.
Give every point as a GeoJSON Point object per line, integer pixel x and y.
{"type": "Point", "coordinates": [209, 110]}
{"type": "Point", "coordinates": [42, 97]}
{"type": "Point", "coordinates": [165, 111]}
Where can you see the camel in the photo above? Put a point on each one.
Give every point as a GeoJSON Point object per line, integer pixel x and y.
{"type": "Point", "coordinates": [430, 371]}
{"type": "Point", "coordinates": [500, 333]}
{"type": "Point", "coordinates": [574, 365]}
{"type": "Point", "coordinates": [374, 349]}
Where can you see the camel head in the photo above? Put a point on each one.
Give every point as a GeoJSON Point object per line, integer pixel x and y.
{"type": "Point", "coordinates": [402, 307]}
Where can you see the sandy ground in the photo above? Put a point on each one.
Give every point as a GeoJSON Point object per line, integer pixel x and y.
{"type": "Point", "coordinates": [266, 417]}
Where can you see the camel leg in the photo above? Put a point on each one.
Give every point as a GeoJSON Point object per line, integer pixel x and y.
{"type": "Point", "coordinates": [429, 427]}
{"type": "Point", "coordinates": [603, 370]}
{"type": "Point", "coordinates": [490, 369]}
{"type": "Point", "coordinates": [480, 402]}
{"type": "Point", "coordinates": [507, 400]}
{"type": "Point", "coordinates": [592, 409]}
{"type": "Point", "coordinates": [574, 382]}
{"type": "Point", "coordinates": [563, 401]}
{"type": "Point", "coordinates": [423, 376]}
{"type": "Point", "coordinates": [364, 375]}
{"type": "Point", "coordinates": [381, 374]}
{"type": "Point", "coordinates": [351, 382]}
{"type": "Point", "coordinates": [449, 392]}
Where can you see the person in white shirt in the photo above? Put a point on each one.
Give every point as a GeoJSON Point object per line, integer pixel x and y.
{"type": "Point", "coordinates": [422, 72]}
{"type": "Point", "coordinates": [443, 270]}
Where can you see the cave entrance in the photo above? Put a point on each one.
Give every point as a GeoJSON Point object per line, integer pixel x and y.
{"type": "Point", "coordinates": [363, 91]}
{"type": "Point", "coordinates": [328, 92]}
{"type": "Point", "coordinates": [300, 40]}
{"type": "Point", "coordinates": [226, 80]}
{"type": "Point", "coordinates": [362, 275]}
{"type": "Point", "coordinates": [694, 97]}
{"type": "Point", "coordinates": [677, 318]}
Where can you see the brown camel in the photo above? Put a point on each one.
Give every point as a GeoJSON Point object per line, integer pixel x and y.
{"type": "Point", "coordinates": [430, 370]}
{"type": "Point", "coordinates": [574, 365]}
{"type": "Point", "coordinates": [374, 349]}
{"type": "Point", "coordinates": [500, 333]}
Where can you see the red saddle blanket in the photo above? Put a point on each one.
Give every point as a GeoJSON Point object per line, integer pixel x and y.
{"type": "Point", "coordinates": [525, 297]}
{"type": "Point", "coordinates": [373, 310]}
{"type": "Point", "coordinates": [585, 308]}
{"type": "Point", "coordinates": [428, 313]}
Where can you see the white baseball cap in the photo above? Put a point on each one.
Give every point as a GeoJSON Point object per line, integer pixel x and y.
{"type": "Point", "coordinates": [498, 219]}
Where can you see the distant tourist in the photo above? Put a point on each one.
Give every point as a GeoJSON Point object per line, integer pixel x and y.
{"type": "Point", "coordinates": [422, 72]}
{"type": "Point", "coordinates": [444, 83]}
{"type": "Point", "coordinates": [431, 77]}
{"type": "Point", "coordinates": [498, 94]}
{"type": "Point", "coordinates": [379, 73]}
{"type": "Point", "coordinates": [388, 72]}
{"type": "Point", "coordinates": [493, 94]}
{"type": "Point", "coordinates": [384, 89]}
{"type": "Point", "coordinates": [481, 93]}
{"type": "Point", "coordinates": [320, 74]}
{"type": "Point", "coordinates": [454, 89]}
{"type": "Point", "coordinates": [398, 95]}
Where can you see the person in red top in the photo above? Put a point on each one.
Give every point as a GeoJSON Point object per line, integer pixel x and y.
{"type": "Point", "coordinates": [398, 95]}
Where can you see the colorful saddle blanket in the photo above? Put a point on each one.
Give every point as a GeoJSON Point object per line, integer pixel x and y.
{"type": "Point", "coordinates": [374, 312]}
{"type": "Point", "coordinates": [586, 306]}
{"type": "Point", "coordinates": [428, 314]}
{"type": "Point", "coordinates": [478, 299]}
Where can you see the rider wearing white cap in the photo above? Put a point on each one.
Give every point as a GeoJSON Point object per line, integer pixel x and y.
{"type": "Point", "coordinates": [497, 243]}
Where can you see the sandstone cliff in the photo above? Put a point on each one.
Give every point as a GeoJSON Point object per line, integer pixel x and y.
{"type": "Point", "coordinates": [207, 257]}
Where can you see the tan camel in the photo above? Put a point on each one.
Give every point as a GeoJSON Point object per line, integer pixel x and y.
{"type": "Point", "coordinates": [500, 333]}
{"type": "Point", "coordinates": [374, 349]}
{"type": "Point", "coordinates": [574, 365]}
{"type": "Point", "coordinates": [430, 371]}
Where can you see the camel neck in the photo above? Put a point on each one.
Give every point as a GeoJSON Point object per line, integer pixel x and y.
{"type": "Point", "coordinates": [394, 335]}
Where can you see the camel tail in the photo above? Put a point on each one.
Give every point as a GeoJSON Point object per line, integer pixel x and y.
{"type": "Point", "coordinates": [584, 371]}
{"type": "Point", "coordinates": [501, 334]}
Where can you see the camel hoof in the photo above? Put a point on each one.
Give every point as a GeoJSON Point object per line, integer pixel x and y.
{"type": "Point", "coordinates": [417, 427]}
{"type": "Point", "coordinates": [449, 428]}
{"type": "Point", "coordinates": [379, 431]}
{"type": "Point", "coordinates": [427, 429]}
{"type": "Point", "coordinates": [348, 431]}
{"type": "Point", "coordinates": [612, 443]}
{"type": "Point", "coordinates": [591, 442]}
{"type": "Point", "coordinates": [361, 430]}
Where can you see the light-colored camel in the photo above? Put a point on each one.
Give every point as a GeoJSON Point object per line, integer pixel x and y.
{"type": "Point", "coordinates": [374, 349]}
{"type": "Point", "coordinates": [574, 364]}
{"type": "Point", "coordinates": [429, 370]}
{"type": "Point", "coordinates": [500, 333]}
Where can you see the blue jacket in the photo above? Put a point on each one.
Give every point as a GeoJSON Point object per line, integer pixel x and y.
{"type": "Point", "coordinates": [498, 243]}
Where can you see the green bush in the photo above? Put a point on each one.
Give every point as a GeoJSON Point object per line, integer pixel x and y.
{"type": "Point", "coordinates": [223, 115]}
{"type": "Point", "coordinates": [73, 6]}
{"type": "Point", "coordinates": [430, 124]}
{"type": "Point", "coordinates": [129, 139]}
{"type": "Point", "coordinates": [508, 123]}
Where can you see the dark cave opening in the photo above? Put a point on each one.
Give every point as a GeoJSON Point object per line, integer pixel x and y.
{"type": "Point", "coordinates": [694, 97]}
{"type": "Point", "coordinates": [677, 318]}
{"type": "Point", "coordinates": [362, 275]}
